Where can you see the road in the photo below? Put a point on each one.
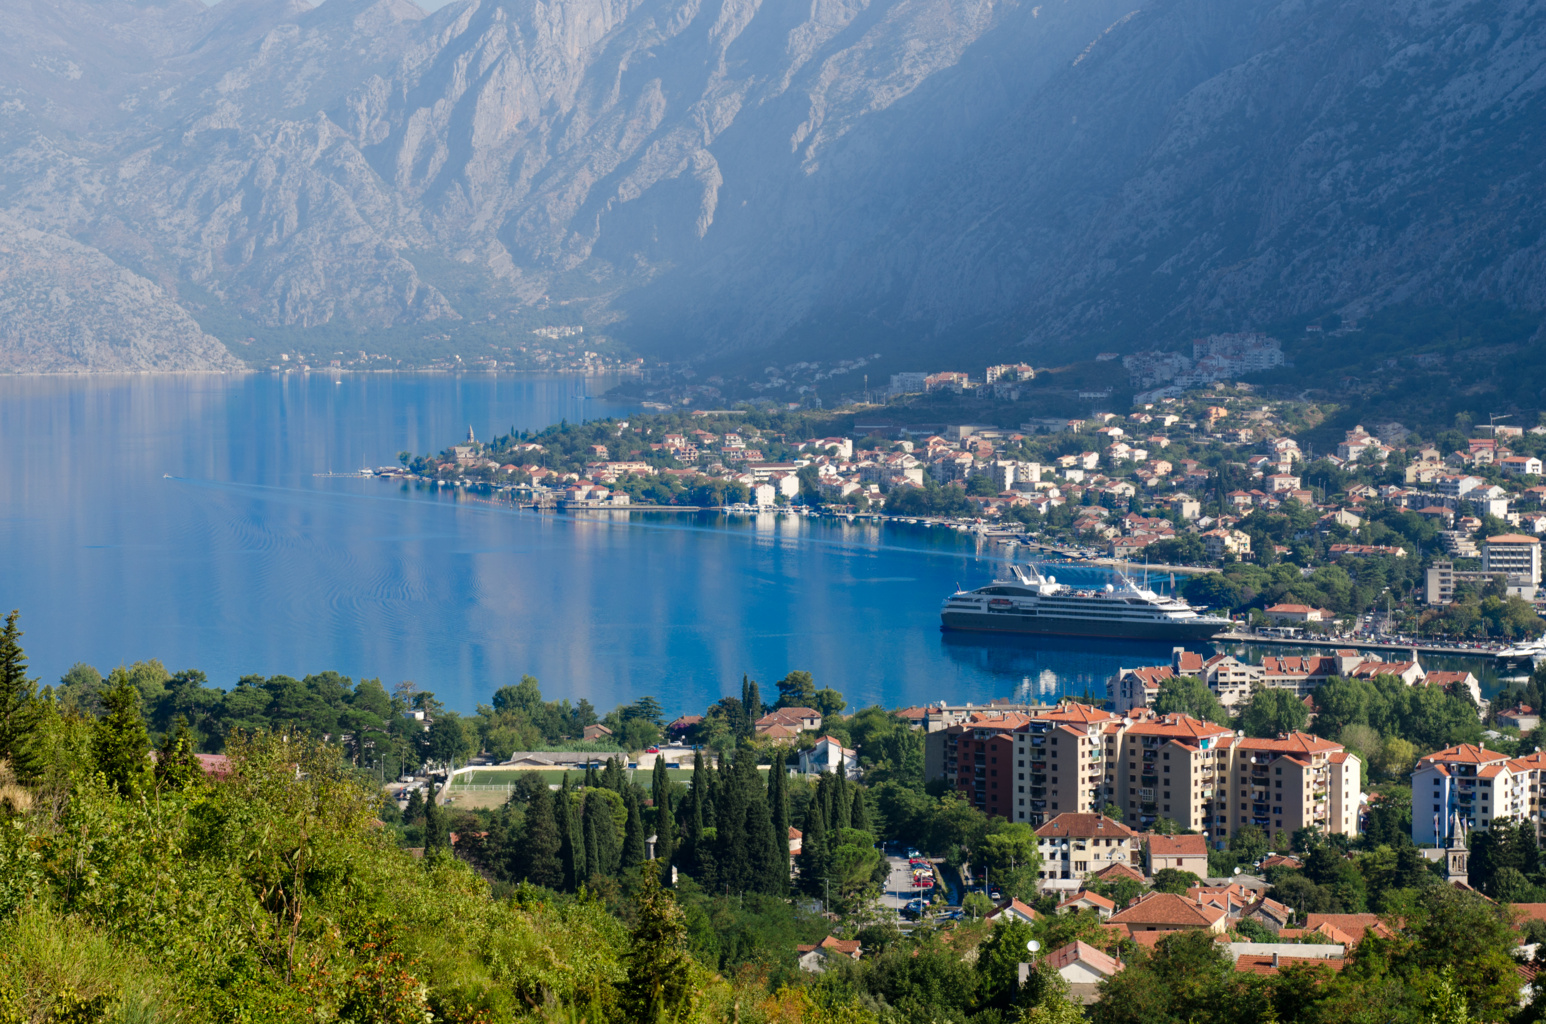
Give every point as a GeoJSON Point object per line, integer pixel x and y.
{"type": "Point", "coordinates": [899, 886]}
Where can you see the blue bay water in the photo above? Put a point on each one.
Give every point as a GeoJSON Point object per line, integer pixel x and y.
{"type": "Point", "coordinates": [187, 519]}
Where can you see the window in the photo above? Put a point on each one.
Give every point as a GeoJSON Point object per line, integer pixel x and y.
{"type": "Point", "coordinates": [1280, 771]}
{"type": "Point", "coordinates": [1167, 755]}
{"type": "Point", "coordinates": [1167, 794]}
{"type": "Point", "coordinates": [1167, 807]}
{"type": "Point", "coordinates": [1022, 764]}
{"type": "Point", "coordinates": [1054, 805]}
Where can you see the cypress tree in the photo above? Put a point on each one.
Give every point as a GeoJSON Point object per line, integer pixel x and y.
{"type": "Point", "coordinates": [778, 805]}
{"type": "Point", "coordinates": [609, 846]}
{"type": "Point", "coordinates": [859, 817]}
{"type": "Point", "coordinates": [19, 711]}
{"type": "Point", "coordinates": [813, 849]}
{"type": "Point", "coordinates": [633, 833]}
{"type": "Point", "coordinates": [842, 803]}
{"type": "Point", "coordinates": [437, 835]}
{"type": "Point", "coordinates": [540, 842]}
{"type": "Point", "coordinates": [592, 843]}
{"type": "Point", "coordinates": [614, 777]}
{"type": "Point", "coordinates": [120, 742]}
{"type": "Point", "coordinates": [571, 845]}
{"type": "Point", "coordinates": [665, 822]}
{"type": "Point", "coordinates": [415, 809]}
{"type": "Point", "coordinates": [751, 699]}
{"type": "Point", "coordinates": [592, 780]}
{"type": "Point", "coordinates": [763, 861]}
{"type": "Point", "coordinates": [731, 848]}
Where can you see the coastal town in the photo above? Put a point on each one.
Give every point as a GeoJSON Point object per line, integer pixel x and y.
{"type": "Point", "coordinates": [1378, 528]}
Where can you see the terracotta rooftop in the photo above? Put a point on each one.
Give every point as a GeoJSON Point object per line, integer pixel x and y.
{"type": "Point", "coordinates": [1293, 743]}
{"type": "Point", "coordinates": [1084, 826]}
{"type": "Point", "coordinates": [1170, 910]}
{"type": "Point", "coordinates": [1178, 846]}
{"type": "Point", "coordinates": [1353, 925]}
{"type": "Point", "coordinates": [1272, 963]}
{"type": "Point", "coordinates": [1083, 952]}
{"type": "Point", "coordinates": [1465, 753]}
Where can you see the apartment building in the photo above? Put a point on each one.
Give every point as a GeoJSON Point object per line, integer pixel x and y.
{"type": "Point", "coordinates": [1175, 767]}
{"type": "Point", "coordinates": [1076, 759]}
{"type": "Point", "coordinates": [1466, 788]}
{"type": "Point", "coordinates": [1518, 555]}
{"type": "Point", "coordinates": [1076, 846]}
{"type": "Point", "coordinates": [1296, 780]}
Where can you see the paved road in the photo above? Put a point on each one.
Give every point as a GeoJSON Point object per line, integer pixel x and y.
{"type": "Point", "coordinates": [899, 886]}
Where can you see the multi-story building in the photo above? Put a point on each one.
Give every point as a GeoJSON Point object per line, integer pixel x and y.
{"type": "Point", "coordinates": [1077, 759]}
{"type": "Point", "coordinates": [1469, 787]}
{"type": "Point", "coordinates": [1175, 767]}
{"type": "Point", "coordinates": [1518, 555]}
{"type": "Point", "coordinates": [1075, 846]}
{"type": "Point", "coordinates": [1292, 782]}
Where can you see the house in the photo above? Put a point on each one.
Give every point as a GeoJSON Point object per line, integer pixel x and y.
{"type": "Point", "coordinates": [1014, 910]}
{"type": "Point", "coordinates": [1075, 845]}
{"type": "Point", "coordinates": [797, 719]}
{"type": "Point", "coordinates": [1276, 963]}
{"type": "Point", "coordinates": [1083, 967]}
{"type": "Point", "coordinates": [1351, 925]}
{"type": "Point", "coordinates": [1086, 900]}
{"type": "Point", "coordinates": [1219, 543]}
{"type": "Point", "coordinates": [1524, 718]}
{"type": "Point", "coordinates": [1167, 912]}
{"type": "Point", "coordinates": [1296, 614]}
{"type": "Point", "coordinates": [596, 732]}
{"type": "Point", "coordinates": [796, 841]}
{"type": "Point", "coordinates": [814, 958]}
{"type": "Point", "coordinates": [1184, 853]}
{"type": "Point", "coordinates": [1270, 914]}
{"type": "Point", "coordinates": [828, 755]}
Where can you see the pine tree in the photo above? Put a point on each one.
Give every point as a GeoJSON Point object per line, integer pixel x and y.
{"type": "Point", "coordinates": [437, 833]}
{"type": "Point", "coordinates": [119, 741]}
{"type": "Point", "coordinates": [778, 805]}
{"type": "Point", "coordinates": [633, 832]}
{"type": "Point", "coordinates": [415, 809]}
{"type": "Point", "coordinates": [540, 842]}
{"type": "Point", "coordinates": [661, 980]}
{"type": "Point", "coordinates": [859, 817]}
{"type": "Point", "coordinates": [19, 710]}
{"type": "Point", "coordinates": [176, 765]}
{"type": "Point", "coordinates": [665, 822]}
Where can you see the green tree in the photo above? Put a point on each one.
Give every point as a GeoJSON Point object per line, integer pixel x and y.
{"type": "Point", "coordinates": [437, 833]}
{"type": "Point", "coordinates": [999, 959]}
{"type": "Point", "coordinates": [1174, 880]}
{"type": "Point", "coordinates": [1188, 695]}
{"type": "Point", "coordinates": [660, 985]}
{"type": "Point", "coordinates": [796, 690]}
{"type": "Point", "coordinates": [120, 743]}
{"type": "Point", "coordinates": [18, 704]}
{"type": "Point", "coordinates": [571, 839]}
{"type": "Point", "coordinates": [633, 832]}
{"type": "Point", "coordinates": [1272, 711]}
{"type": "Point", "coordinates": [177, 766]}
{"type": "Point", "coordinates": [1011, 857]}
{"type": "Point", "coordinates": [751, 698]}
{"type": "Point", "coordinates": [540, 842]}
{"type": "Point", "coordinates": [665, 820]}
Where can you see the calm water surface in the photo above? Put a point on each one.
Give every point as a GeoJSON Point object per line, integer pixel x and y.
{"type": "Point", "coordinates": [190, 519]}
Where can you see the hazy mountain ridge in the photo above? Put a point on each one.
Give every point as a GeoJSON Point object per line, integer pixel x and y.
{"type": "Point", "coordinates": [722, 176]}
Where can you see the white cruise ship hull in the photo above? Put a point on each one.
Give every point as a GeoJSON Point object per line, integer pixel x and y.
{"type": "Point", "coordinates": [1194, 630]}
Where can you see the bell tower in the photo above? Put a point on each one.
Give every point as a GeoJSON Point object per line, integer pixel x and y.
{"type": "Point", "coordinates": [1456, 855]}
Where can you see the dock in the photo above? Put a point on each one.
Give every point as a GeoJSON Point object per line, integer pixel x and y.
{"type": "Point", "coordinates": [1359, 645]}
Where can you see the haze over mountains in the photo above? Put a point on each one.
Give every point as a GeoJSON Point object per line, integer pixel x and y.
{"type": "Point", "coordinates": [721, 177]}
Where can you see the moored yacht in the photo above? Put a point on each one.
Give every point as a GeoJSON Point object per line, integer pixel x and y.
{"type": "Point", "coordinates": [1030, 602]}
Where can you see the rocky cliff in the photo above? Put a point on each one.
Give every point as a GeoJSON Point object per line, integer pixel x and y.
{"type": "Point", "coordinates": [728, 176]}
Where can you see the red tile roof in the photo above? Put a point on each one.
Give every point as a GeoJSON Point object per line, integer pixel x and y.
{"type": "Point", "coordinates": [1293, 743]}
{"type": "Point", "coordinates": [1168, 910]}
{"type": "Point", "coordinates": [1272, 963]}
{"type": "Point", "coordinates": [1178, 846]}
{"type": "Point", "coordinates": [1072, 825]}
{"type": "Point", "coordinates": [1083, 952]}
{"type": "Point", "coordinates": [1353, 925]}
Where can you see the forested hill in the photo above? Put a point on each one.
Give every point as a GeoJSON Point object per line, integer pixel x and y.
{"type": "Point", "coordinates": [279, 883]}
{"type": "Point", "coordinates": [907, 176]}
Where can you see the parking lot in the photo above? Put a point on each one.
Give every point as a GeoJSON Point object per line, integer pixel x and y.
{"type": "Point", "coordinates": [899, 885]}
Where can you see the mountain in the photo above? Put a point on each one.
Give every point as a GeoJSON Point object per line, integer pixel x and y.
{"type": "Point", "coordinates": [728, 178]}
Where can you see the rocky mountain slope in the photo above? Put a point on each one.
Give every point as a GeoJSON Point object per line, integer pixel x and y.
{"type": "Point", "coordinates": [727, 176]}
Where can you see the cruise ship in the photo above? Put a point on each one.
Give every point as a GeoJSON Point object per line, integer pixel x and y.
{"type": "Point", "coordinates": [1032, 603]}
